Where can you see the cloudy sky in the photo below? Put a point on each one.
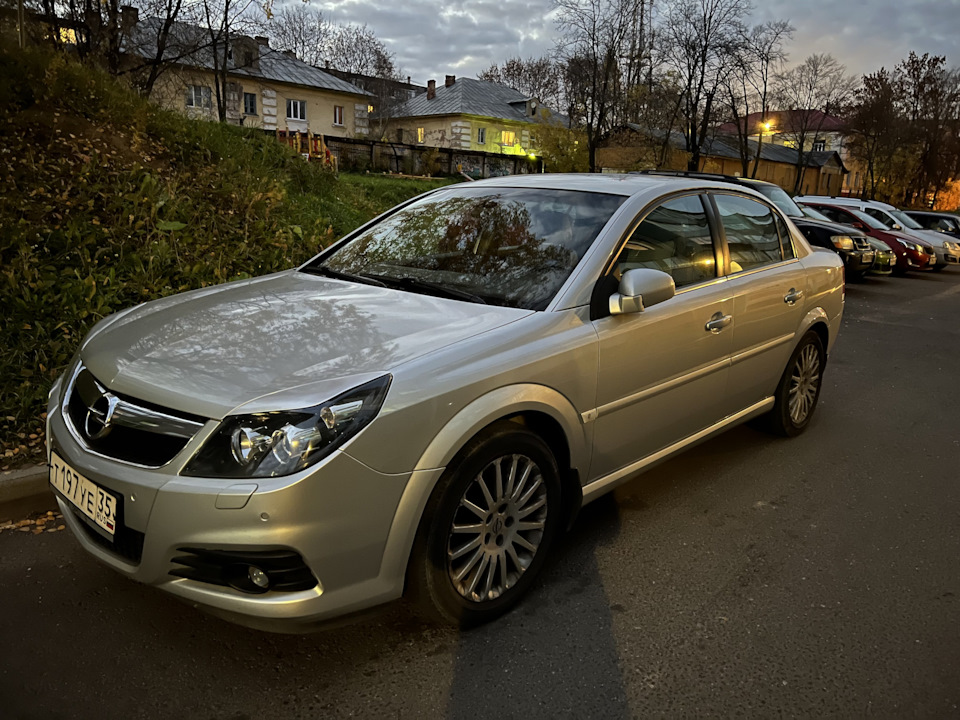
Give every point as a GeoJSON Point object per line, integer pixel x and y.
{"type": "Point", "coordinates": [432, 38]}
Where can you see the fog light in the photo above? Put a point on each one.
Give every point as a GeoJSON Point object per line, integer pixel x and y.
{"type": "Point", "coordinates": [258, 577]}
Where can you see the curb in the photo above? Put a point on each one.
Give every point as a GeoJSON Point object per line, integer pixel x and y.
{"type": "Point", "coordinates": [25, 490]}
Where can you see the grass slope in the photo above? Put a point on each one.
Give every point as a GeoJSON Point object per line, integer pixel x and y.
{"type": "Point", "coordinates": [109, 201]}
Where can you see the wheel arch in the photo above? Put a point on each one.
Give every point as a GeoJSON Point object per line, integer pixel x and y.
{"type": "Point", "coordinates": [540, 409]}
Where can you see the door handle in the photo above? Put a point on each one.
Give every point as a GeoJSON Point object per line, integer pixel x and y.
{"type": "Point", "coordinates": [792, 296]}
{"type": "Point", "coordinates": [718, 322]}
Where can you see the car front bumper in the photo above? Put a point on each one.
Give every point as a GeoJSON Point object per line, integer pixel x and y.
{"type": "Point", "coordinates": [340, 516]}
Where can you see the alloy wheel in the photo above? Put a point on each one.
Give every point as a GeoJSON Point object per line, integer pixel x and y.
{"type": "Point", "coordinates": [804, 383]}
{"type": "Point", "coordinates": [497, 528]}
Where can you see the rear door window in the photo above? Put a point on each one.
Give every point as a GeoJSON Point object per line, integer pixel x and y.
{"type": "Point", "coordinates": [753, 233]}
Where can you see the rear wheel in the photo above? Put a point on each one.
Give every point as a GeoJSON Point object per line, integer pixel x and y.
{"type": "Point", "coordinates": [487, 527]}
{"type": "Point", "coordinates": [799, 388]}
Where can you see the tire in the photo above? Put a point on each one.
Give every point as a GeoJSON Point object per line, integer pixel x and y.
{"type": "Point", "coordinates": [799, 388]}
{"type": "Point", "coordinates": [470, 577]}
{"type": "Point", "coordinates": [939, 268]}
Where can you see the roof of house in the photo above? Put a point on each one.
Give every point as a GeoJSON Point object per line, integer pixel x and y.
{"type": "Point", "coordinates": [467, 96]}
{"type": "Point", "coordinates": [726, 147]}
{"type": "Point", "coordinates": [785, 121]}
{"type": "Point", "coordinates": [190, 45]}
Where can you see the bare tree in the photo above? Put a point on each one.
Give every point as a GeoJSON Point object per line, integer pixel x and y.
{"type": "Point", "coordinates": [223, 19]}
{"type": "Point", "coordinates": [875, 128]}
{"type": "Point", "coordinates": [594, 36]}
{"type": "Point", "coordinates": [541, 78]}
{"type": "Point", "coordinates": [810, 93]}
{"type": "Point", "coordinates": [302, 29]}
{"type": "Point", "coordinates": [355, 49]}
{"type": "Point", "coordinates": [698, 39]}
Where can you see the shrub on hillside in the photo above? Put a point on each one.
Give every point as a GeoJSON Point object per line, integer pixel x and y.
{"type": "Point", "coordinates": [109, 201]}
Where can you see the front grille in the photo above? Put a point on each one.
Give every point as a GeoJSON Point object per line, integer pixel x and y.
{"type": "Point", "coordinates": [861, 243]}
{"type": "Point", "coordinates": [137, 432]}
{"type": "Point", "coordinates": [229, 568]}
{"type": "Point", "coordinates": [127, 542]}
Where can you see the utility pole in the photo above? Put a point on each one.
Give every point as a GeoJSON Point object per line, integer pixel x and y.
{"type": "Point", "coordinates": [22, 23]}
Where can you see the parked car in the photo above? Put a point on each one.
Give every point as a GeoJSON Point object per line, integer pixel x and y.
{"type": "Point", "coordinates": [944, 222]}
{"type": "Point", "coordinates": [947, 252]}
{"type": "Point", "coordinates": [884, 259]}
{"type": "Point", "coordinates": [851, 245]}
{"type": "Point", "coordinates": [912, 254]}
{"type": "Point", "coordinates": [425, 405]}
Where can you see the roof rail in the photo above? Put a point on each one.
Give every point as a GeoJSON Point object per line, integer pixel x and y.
{"type": "Point", "coordinates": [690, 174]}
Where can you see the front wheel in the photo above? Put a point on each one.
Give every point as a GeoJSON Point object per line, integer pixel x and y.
{"type": "Point", "coordinates": [799, 388]}
{"type": "Point", "coordinates": [487, 527]}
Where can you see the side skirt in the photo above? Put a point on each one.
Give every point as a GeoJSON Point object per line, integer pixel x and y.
{"type": "Point", "coordinates": [607, 483]}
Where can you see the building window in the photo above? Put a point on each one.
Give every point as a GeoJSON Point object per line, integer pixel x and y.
{"type": "Point", "coordinates": [199, 96]}
{"type": "Point", "coordinates": [420, 135]}
{"type": "Point", "coordinates": [508, 137]}
{"type": "Point", "coordinates": [482, 136]}
{"type": "Point", "coordinates": [338, 115]}
{"type": "Point", "coordinates": [296, 109]}
{"type": "Point", "coordinates": [819, 145]}
{"type": "Point", "coordinates": [399, 135]}
{"type": "Point", "coordinates": [249, 104]}
{"type": "Point", "coordinates": [369, 108]}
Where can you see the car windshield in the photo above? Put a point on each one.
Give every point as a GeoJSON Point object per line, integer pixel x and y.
{"type": "Point", "coordinates": [867, 220]}
{"type": "Point", "coordinates": [814, 214]}
{"type": "Point", "coordinates": [905, 220]}
{"type": "Point", "coordinates": [779, 197]}
{"type": "Point", "coordinates": [503, 246]}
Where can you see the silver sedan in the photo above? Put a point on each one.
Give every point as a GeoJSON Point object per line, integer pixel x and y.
{"type": "Point", "coordinates": [423, 407]}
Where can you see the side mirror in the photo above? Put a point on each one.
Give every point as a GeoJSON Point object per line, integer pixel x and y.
{"type": "Point", "coordinates": [897, 226]}
{"type": "Point", "coordinates": [858, 225]}
{"type": "Point", "coordinates": [641, 288]}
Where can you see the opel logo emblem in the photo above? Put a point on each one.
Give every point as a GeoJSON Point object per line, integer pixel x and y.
{"type": "Point", "coordinates": [99, 416]}
{"type": "Point", "coordinates": [497, 525]}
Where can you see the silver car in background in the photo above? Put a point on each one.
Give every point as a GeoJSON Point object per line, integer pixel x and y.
{"type": "Point", "coordinates": [424, 406]}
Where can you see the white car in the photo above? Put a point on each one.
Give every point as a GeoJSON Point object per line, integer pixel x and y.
{"type": "Point", "coordinates": [946, 248]}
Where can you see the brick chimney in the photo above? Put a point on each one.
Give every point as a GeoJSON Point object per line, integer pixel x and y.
{"type": "Point", "coordinates": [129, 17]}
{"type": "Point", "coordinates": [449, 80]}
{"type": "Point", "coordinates": [431, 89]}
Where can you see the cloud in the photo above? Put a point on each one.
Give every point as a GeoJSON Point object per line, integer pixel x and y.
{"type": "Point", "coordinates": [464, 37]}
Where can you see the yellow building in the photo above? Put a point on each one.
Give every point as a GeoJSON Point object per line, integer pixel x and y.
{"type": "Point", "coordinates": [265, 88]}
{"type": "Point", "coordinates": [468, 114]}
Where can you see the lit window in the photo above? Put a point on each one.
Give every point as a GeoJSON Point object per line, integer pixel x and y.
{"type": "Point", "coordinates": [249, 104]}
{"type": "Point", "coordinates": [199, 96]}
{"type": "Point", "coordinates": [482, 136]}
{"type": "Point", "coordinates": [420, 135]}
{"type": "Point", "coordinates": [338, 114]}
{"type": "Point", "coordinates": [296, 109]}
{"type": "Point", "coordinates": [508, 137]}
{"type": "Point", "coordinates": [369, 108]}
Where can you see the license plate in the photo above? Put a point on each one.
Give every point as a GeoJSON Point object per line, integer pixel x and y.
{"type": "Point", "coordinates": [88, 497]}
{"type": "Point", "coordinates": [868, 257]}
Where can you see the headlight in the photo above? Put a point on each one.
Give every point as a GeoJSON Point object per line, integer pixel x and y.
{"type": "Point", "coordinates": [280, 443]}
{"type": "Point", "coordinates": [909, 245]}
{"type": "Point", "coordinates": [842, 242]}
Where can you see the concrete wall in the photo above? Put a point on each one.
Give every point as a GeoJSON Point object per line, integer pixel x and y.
{"type": "Point", "coordinates": [361, 155]}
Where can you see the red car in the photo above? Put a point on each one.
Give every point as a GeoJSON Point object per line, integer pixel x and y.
{"type": "Point", "coordinates": [912, 253]}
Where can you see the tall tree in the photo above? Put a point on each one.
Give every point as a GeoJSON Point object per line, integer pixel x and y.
{"type": "Point", "coordinates": [224, 19]}
{"type": "Point", "coordinates": [304, 30]}
{"type": "Point", "coordinates": [594, 36]}
{"type": "Point", "coordinates": [698, 39]}
{"type": "Point", "coordinates": [811, 92]}
{"type": "Point", "coordinates": [875, 126]}
{"type": "Point", "coordinates": [540, 77]}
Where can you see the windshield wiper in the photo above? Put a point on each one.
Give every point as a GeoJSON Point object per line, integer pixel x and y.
{"type": "Point", "coordinates": [331, 273]}
{"type": "Point", "coordinates": [415, 284]}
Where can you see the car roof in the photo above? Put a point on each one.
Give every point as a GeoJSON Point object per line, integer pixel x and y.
{"type": "Point", "coordinates": [610, 183]}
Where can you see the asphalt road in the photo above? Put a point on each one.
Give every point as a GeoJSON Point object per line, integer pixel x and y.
{"type": "Point", "coordinates": [751, 576]}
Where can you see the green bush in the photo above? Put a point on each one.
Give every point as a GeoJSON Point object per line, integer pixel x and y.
{"type": "Point", "coordinates": [109, 201]}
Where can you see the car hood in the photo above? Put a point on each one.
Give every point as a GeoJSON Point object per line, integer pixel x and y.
{"type": "Point", "coordinates": [278, 342]}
